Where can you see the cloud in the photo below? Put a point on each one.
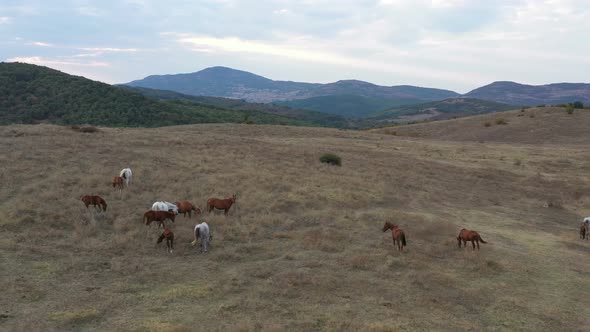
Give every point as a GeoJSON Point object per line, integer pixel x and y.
{"type": "Point", "coordinates": [42, 44]}
{"type": "Point", "coordinates": [110, 49]}
{"type": "Point", "coordinates": [5, 19]}
{"type": "Point", "coordinates": [37, 60]}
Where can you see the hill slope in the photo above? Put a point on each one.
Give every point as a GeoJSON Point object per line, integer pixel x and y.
{"type": "Point", "coordinates": [533, 95]}
{"type": "Point", "coordinates": [31, 93]}
{"type": "Point", "coordinates": [304, 251]}
{"type": "Point", "coordinates": [438, 110]}
{"type": "Point", "coordinates": [231, 83]}
{"type": "Point", "coordinates": [318, 118]}
{"type": "Point", "coordinates": [546, 125]}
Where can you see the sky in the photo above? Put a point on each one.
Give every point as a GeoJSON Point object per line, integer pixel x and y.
{"type": "Point", "coordinates": [452, 44]}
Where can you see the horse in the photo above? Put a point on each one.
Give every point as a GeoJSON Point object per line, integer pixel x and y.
{"type": "Point", "coordinates": [202, 232]}
{"type": "Point", "coordinates": [169, 236]}
{"type": "Point", "coordinates": [469, 235]}
{"type": "Point", "coordinates": [397, 234]}
{"type": "Point", "coordinates": [127, 175]}
{"type": "Point", "coordinates": [584, 231]}
{"type": "Point", "coordinates": [159, 216]}
{"type": "Point", "coordinates": [165, 206]}
{"type": "Point", "coordinates": [185, 207]}
{"type": "Point", "coordinates": [95, 200]}
{"type": "Point", "coordinates": [221, 204]}
{"type": "Point", "coordinates": [118, 183]}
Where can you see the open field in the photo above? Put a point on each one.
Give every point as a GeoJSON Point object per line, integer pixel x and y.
{"type": "Point", "coordinates": [304, 250]}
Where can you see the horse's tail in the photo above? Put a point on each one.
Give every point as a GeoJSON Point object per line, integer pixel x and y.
{"type": "Point", "coordinates": [403, 239]}
{"type": "Point", "coordinates": [479, 238]}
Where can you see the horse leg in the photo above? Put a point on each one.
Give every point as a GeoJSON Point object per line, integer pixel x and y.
{"type": "Point", "coordinates": [226, 211]}
{"type": "Point", "coordinates": [477, 241]}
{"type": "Point", "coordinates": [473, 244]}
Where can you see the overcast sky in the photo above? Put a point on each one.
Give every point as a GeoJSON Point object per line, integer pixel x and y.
{"type": "Point", "coordinates": [452, 44]}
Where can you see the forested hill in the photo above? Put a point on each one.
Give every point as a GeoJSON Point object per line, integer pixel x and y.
{"type": "Point", "coordinates": [33, 94]}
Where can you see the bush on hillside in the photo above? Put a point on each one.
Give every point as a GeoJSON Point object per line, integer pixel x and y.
{"type": "Point", "coordinates": [569, 109]}
{"type": "Point", "coordinates": [487, 124]}
{"type": "Point", "coordinates": [501, 121]}
{"type": "Point", "coordinates": [578, 104]}
{"type": "Point", "coordinates": [332, 159]}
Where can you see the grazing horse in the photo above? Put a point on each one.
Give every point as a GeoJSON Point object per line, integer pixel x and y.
{"type": "Point", "coordinates": [469, 235]}
{"type": "Point", "coordinates": [221, 204]}
{"type": "Point", "coordinates": [169, 236]}
{"type": "Point", "coordinates": [118, 183]}
{"type": "Point", "coordinates": [185, 207]}
{"type": "Point", "coordinates": [165, 206]}
{"type": "Point", "coordinates": [159, 216]}
{"type": "Point", "coordinates": [96, 201]}
{"type": "Point", "coordinates": [397, 234]}
{"type": "Point", "coordinates": [584, 231]}
{"type": "Point", "coordinates": [127, 175]}
{"type": "Point", "coordinates": [202, 232]}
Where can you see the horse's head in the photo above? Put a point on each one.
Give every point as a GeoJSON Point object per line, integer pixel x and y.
{"type": "Point", "coordinates": [198, 211]}
{"type": "Point", "coordinates": [386, 226]}
{"type": "Point", "coordinates": [161, 238]}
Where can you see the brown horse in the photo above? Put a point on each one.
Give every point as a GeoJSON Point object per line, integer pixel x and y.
{"type": "Point", "coordinates": [584, 231]}
{"type": "Point", "coordinates": [95, 200]}
{"type": "Point", "coordinates": [469, 235]}
{"type": "Point", "coordinates": [397, 234]}
{"type": "Point", "coordinates": [159, 216]}
{"type": "Point", "coordinates": [221, 204]}
{"type": "Point", "coordinates": [185, 207]}
{"type": "Point", "coordinates": [169, 236]}
{"type": "Point", "coordinates": [118, 182]}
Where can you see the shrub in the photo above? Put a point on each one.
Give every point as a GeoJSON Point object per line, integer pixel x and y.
{"type": "Point", "coordinates": [487, 124]}
{"type": "Point", "coordinates": [332, 159]}
{"type": "Point", "coordinates": [88, 129]}
{"type": "Point", "coordinates": [541, 106]}
{"type": "Point", "coordinates": [578, 104]}
{"type": "Point", "coordinates": [501, 121]}
{"type": "Point", "coordinates": [532, 116]}
{"type": "Point", "coordinates": [569, 109]}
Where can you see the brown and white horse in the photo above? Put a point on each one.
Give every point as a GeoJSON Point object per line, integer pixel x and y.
{"type": "Point", "coordinates": [185, 207]}
{"type": "Point", "coordinates": [169, 236]}
{"type": "Point", "coordinates": [397, 234]}
{"type": "Point", "coordinates": [469, 235]}
{"type": "Point", "coordinates": [94, 200]}
{"type": "Point", "coordinates": [221, 204]}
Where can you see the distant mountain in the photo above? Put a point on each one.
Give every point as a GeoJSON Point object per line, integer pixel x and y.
{"type": "Point", "coordinates": [231, 83]}
{"type": "Point", "coordinates": [532, 95]}
{"type": "Point", "coordinates": [349, 105]}
{"type": "Point", "coordinates": [33, 94]}
{"type": "Point", "coordinates": [437, 110]}
{"type": "Point", "coordinates": [318, 118]}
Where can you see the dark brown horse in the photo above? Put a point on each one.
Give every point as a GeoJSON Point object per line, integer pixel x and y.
{"type": "Point", "coordinates": [397, 234]}
{"type": "Point", "coordinates": [469, 235]}
{"type": "Point", "coordinates": [584, 231]}
{"type": "Point", "coordinates": [94, 200]}
{"type": "Point", "coordinates": [221, 204]}
{"type": "Point", "coordinates": [118, 182]}
{"type": "Point", "coordinates": [185, 207]}
{"type": "Point", "coordinates": [169, 236]}
{"type": "Point", "coordinates": [159, 216]}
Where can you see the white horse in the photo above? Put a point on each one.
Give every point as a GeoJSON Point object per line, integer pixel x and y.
{"type": "Point", "coordinates": [202, 232]}
{"type": "Point", "coordinates": [165, 206]}
{"type": "Point", "coordinates": [127, 175]}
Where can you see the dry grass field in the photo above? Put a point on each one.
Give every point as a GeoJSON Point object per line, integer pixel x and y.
{"type": "Point", "coordinates": [304, 250]}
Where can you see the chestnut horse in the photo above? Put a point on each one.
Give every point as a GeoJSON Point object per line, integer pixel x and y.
{"type": "Point", "coordinates": [584, 231]}
{"type": "Point", "coordinates": [169, 236]}
{"type": "Point", "coordinates": [185, 207]}
{"type": "Point", "coordinates": [159, 216]}
{"type": "Point", "coordinates": [469, 235]}
{"type": "Point", "coordinates": [397, 234]}
{"type": "Point", "coordinates": [96, 201]}
{"type": "Point", "coordinates": [118, 183]}
{"type": "Point", "coordinates": [221, 204]}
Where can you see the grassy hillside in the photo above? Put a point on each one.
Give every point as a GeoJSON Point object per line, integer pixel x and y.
{"type": "Point", "coordinates": [304, 251]}
{"type": "Point", "coordinates": [439, 110]}
{"type": "Point", "coordinates": [31, 94]}
{"type": "Point", "coordinates": [545, 125]}
{"type": "Point", "coordinates": [533, 95]}
{"type": "Point", "coordinates": [318, 118]}
{"type": "Point", "coordinates": [354, 106]}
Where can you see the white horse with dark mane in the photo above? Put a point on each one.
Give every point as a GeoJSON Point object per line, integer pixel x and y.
{"type": "Point", "coordinates": [127, 175]}
{"type": "Point", "coordinates": [165, 206]}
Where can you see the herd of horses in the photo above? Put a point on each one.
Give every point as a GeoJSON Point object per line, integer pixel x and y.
{"type": "Point", "coordinates": [161, 211]}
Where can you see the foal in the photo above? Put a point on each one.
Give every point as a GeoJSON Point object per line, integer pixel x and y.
{"type": "Point", "coordinates": [584, 231]}
{"type": "Point", "coordinates": [169, 236]}
{"type": "Point", "coordinates": [397, 234]}
{"type": "Point", "coordinates": [118, 183]}
{"type": "Point", "coordinates": [469, 235]}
